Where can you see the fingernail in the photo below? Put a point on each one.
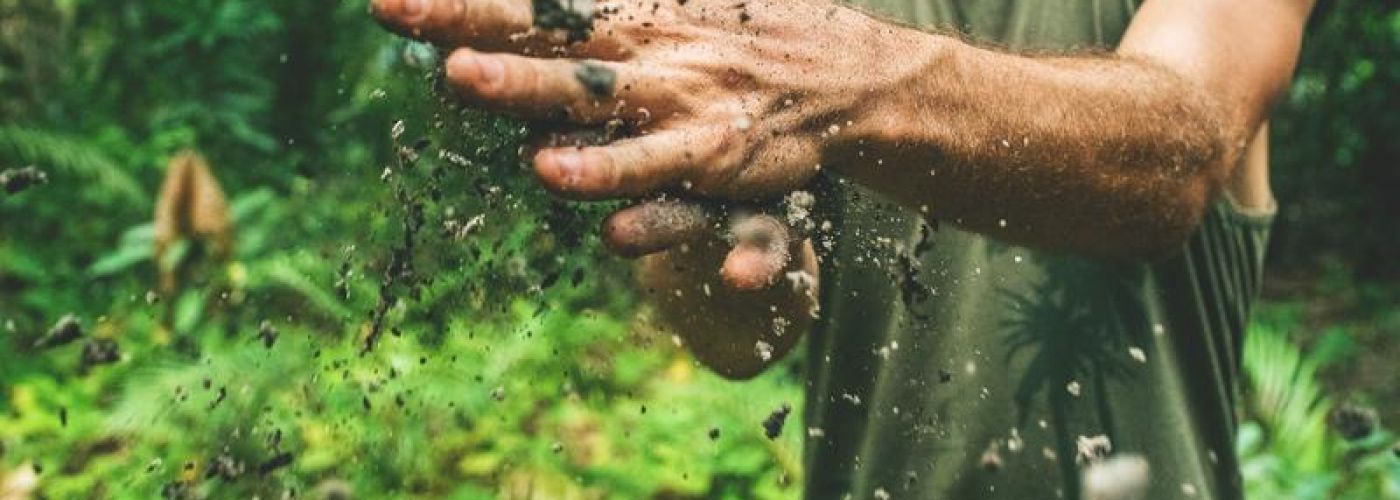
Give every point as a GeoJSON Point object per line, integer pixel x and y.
{"type": "Point", "coordinates": [570, 165]}
{"type": "Point", "coordinates": [412, 8]}
{"type": "Point", "coordinates": [492, 71]}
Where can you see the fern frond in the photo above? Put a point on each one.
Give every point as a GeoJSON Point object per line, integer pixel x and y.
{"type": "Point", "coordinates": [58, 152]}
{"type": "Point", "coordinates": [1287, 397]}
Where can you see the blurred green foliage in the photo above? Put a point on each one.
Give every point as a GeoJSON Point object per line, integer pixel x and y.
{"type": "Point", "coordinates": [514, 360]}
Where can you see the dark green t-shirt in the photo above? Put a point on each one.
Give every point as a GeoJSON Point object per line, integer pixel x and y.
{"type": "Point", "coordinates": [949, 365]}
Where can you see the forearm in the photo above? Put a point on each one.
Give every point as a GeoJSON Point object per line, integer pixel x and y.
{"type": "Point", "coordinates": [1104, 155]}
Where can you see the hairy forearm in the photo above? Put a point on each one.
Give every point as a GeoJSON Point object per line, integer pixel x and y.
{"type": "Point", "coordinates": [1103, 155]}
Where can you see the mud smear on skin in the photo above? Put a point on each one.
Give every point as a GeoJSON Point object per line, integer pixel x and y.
{"type": "Point", "coordinates": [573, 17]}
{"type": "Point", "coordinates": [599, 80]}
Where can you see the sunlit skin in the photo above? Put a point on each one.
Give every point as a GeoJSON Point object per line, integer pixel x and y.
{"type": "Point", "coordinates": [1111, 155]}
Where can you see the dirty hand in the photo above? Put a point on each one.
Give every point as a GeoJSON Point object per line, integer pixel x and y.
{"type": "Point", "coordinates": [730, 99]}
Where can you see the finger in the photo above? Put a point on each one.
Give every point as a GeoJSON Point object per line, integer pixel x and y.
{"type": "Point", "coordinates": [587, 91]}
{"type": "Point", "coordinates": [629, 167]}
{"type": "Point", "coordinates": [654, 226]}
{"type": "Point", "coordinates": [496, 25]}
{"type": "Point", "coordinates": [761, 252]}
{"type": "Point", "coordinates": [455, 22]}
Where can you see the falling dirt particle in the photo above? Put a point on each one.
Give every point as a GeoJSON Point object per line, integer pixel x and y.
{"type": "Point", "coordinates": [64, 332]}
{"type": "Point", "coordinates": [499, 393]}
{"type": "Point", "coordinates": [799, 210]}
{"type": "Point", "coordinates": [1188, 489]}
{"type": "Point", "coordinates": [714, 433]}
{"type": "Point", "coordinates": [1073, 388]}
{"type": "Point", "coordinates": [63, 416]}
{"type": "Point", "coordinates": [598, 79]}
{"type": "Point", "coordinates": [219, 398]}
{"type": "Point", "coordinates": [1137, 354]}
{"type": "Point", "coordinates": [945, 376]}
{"type": "Point", "coordinates": [1015, 443]}
{"type": "Point", "coordinates": [224, 466]}
{"type": "Point", "coordinates": [20, 179]}
{"type": "Point", "coordinates": [1089, 449]}
{"type": "Point", "coordinates": [267, 333]}
{"type": "Point", "coordinates": [773, 425]}
{"type": "Point", "coordinates": [763, 350]}
{"type": "Point", "coordinates": [991, 457]}
{"type": "Point", "coordinates": [1122, 477]}
{"type": "Point", "coordinates": [1353, 422]}
{"type": "Point", "coordinates": [881, 494]}
{"type": "Point", "coordinates": [277, 461]}
{"type": "Point", "coordinates": [556, 447]}
{"type": "Point", "coordinates": [100, 352]}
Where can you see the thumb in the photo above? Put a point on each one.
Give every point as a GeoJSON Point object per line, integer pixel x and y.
{"type": "Point", "coordinates": [762, 251]}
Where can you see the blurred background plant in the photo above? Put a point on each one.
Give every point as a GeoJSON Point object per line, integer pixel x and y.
{"type": "Point", "coordinates": [400, 313]}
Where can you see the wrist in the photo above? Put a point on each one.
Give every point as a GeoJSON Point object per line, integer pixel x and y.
{"type": "Point", "coordinates": [904, 104]}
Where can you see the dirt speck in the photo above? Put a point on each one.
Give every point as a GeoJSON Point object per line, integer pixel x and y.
{"type": "Point", "coordinates": [773, 425]}
{"type": "Point", "coordinates": [991, 457]}
{"type": "Point", "coordinates": [19, 179]}
{"type": "Point", "coordinates": [1353, 422]}
{"type": "Point", "coordinates": [100, 352]}
{"type": "Point", "coordinates": [65, 331]}
{"type": "Point", "coordinates": [267, 333]}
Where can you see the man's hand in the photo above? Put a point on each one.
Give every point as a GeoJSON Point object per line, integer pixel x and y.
{"type": "Point", "coordinates": [741, 325]}
{"type": "Point", "coordinates": [728, 99]}
{"type": "Point", "coordinates": [732, 99]}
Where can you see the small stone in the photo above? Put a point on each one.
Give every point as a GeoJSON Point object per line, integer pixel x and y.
{"type": "Point", "coordinates": [1073, 388]}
